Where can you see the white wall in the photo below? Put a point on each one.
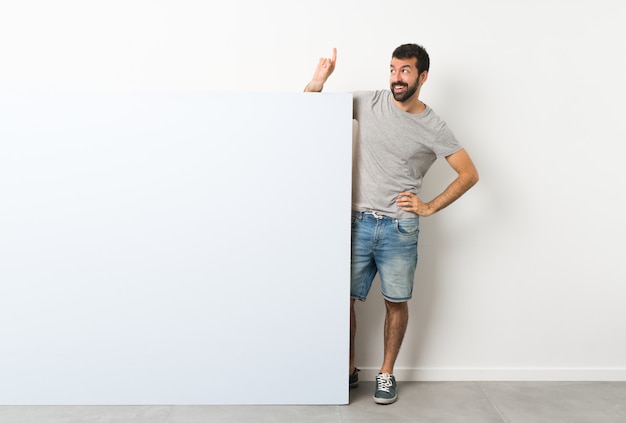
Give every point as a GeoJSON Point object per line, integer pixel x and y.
{"type": "Point", "coordinates": [521, 279]}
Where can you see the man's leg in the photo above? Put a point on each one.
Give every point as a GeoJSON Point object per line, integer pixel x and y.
{"type": "Point", "coordinates": [396, 321]}
{"type": "Point", "coordinates": [354, 376]}
{"type": "Point", "coordinates": [396, 260]}
{"type": "Point", "coordinates": [362, 272]}
{"type": "Point", "coordinates": [352, 335]}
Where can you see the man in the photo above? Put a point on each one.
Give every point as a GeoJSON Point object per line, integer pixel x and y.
{"type": "Point", "coordinates": [399, 138]}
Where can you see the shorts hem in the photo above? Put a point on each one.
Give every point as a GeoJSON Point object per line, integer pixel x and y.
{"type": "Point", "coordinates": [396, 300]}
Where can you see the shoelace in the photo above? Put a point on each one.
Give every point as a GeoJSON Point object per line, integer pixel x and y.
{"type": "Point", "coordinates": [384, 382]}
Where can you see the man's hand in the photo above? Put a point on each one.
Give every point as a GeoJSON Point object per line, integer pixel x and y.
{"type": "Point", "coordinates": [467, 176]}
{"type": "Point", "coordinates": [410, 202]}
{"type": "Point", "coordinates": [324, 69]}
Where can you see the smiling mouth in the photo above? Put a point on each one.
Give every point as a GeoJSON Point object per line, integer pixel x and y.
{"type": "Point", "coordinates": [399, 87]}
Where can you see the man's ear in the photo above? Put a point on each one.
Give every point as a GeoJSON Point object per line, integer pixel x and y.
{"type": "Point", "coordinates": [423, 77]}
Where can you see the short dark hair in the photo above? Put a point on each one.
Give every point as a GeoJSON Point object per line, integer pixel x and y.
{"type": "Point", "coordinates": [407, 51]}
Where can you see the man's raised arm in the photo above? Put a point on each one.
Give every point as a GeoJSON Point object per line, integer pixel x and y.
{"type": "Point", "coordinates": [324, 69]}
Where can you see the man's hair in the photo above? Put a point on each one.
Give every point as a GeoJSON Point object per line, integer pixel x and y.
{"type": "Point", "coordinates": [407, 51]}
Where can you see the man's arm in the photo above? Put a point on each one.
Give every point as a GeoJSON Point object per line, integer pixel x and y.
{"type": "Point", "coordinates": [324, 69]}
{"type": "Point", "coordinates": [467, 176]}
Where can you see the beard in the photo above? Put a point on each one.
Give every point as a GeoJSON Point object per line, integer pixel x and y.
{"type": "Point", "coordinates": [402, 97]}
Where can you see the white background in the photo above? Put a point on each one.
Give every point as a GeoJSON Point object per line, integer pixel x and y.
{"type": "Point", "coordinates": [524, 277]}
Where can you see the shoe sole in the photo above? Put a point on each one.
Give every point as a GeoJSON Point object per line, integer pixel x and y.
{"type": "Point", "coordinates": [385, 401]}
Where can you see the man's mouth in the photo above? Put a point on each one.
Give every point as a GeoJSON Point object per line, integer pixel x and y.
{"type": "Point", "coordinates": [399, 87]}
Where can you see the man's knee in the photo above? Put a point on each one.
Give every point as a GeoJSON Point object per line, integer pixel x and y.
{"type": "Point", "coordinates": [396, 306]}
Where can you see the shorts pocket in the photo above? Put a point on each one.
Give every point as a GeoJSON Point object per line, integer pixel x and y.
{"type": "Point", "coordinates": [407, 227]}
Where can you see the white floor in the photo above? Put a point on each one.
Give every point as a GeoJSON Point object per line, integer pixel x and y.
{"type": "Point", "coordinates": [447, 402]}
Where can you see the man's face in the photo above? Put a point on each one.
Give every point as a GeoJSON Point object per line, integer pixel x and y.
{"type": "Point", "coordinates": [404, 80]}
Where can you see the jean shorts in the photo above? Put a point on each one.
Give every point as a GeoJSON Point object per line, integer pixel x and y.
{"type": "Point", "coordinates": [384, 245]}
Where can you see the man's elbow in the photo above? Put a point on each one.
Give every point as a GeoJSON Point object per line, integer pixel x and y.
{"type": "Point", "coordinates": [471, 178]}
{"type": "Point", "coordinates": [475, 178]}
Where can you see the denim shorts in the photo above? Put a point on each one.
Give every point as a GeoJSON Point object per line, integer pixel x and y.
{"type": "Point", "coordinates": [384, 245]}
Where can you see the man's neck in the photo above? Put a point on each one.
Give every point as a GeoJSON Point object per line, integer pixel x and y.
{"type": "Point", "coordinates": [412, 105]}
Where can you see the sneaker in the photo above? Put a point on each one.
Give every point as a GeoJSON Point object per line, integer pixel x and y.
{"type": "Point", "coordinates": [354, 378]}
{"type": "Point", "coordinates": [385, 389]}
